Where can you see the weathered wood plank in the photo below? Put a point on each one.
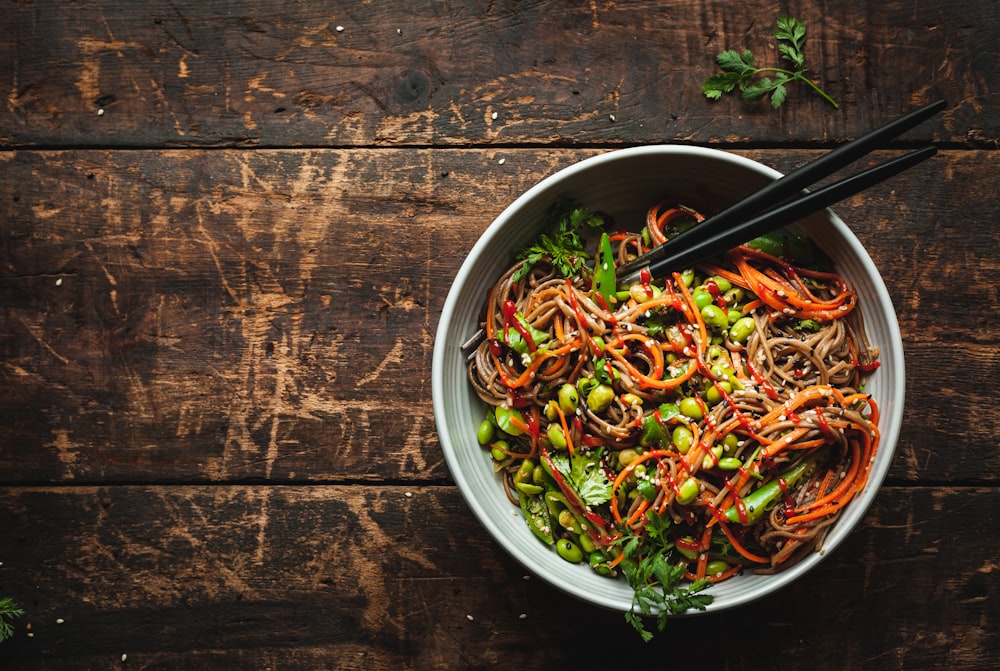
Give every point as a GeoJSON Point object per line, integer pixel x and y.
{"type": "Point", "coordinates": [371, 578]}
{"type": "Point", "coordinates": [192, 316]}
{"type": "Point", "coordinates": [431, 73]}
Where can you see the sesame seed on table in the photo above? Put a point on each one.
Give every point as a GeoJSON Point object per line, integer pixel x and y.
{"type": "Point", "coordinates": [226, 237]}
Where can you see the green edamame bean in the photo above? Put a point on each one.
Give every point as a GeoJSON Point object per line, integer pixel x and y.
{"type": "Point", "coordinates": [690, 407]}
{"type": "Point", "coordinates": [729, 464]}
{"type": "Point", "coordinates": [687, 277]}
{"type": "Point", "coordinates": [712, 394]}
{"type": "Point", "coordinates": [734, 295]}
{"type": "Point", "coordinates": [716, 567]}
{"type": "Point", "coordinates": [721, 282]}
{"type": "Point", "coordinates": [640, 293]}
{"type": "Point", "coordinates": [599, 565]}
{"type": "Point", "coordinates": [569, 398]}
{"type": "Point", "coordinates": [632, 399]}
{"type": "Point", "coordinates": [741, 329]}
{"type": "Point", "coordinates": [551, 411]}
{"type": "Point", "coordinates": [524, 471]}
{"type": "Point", "coordinates": [567, 521]}
{"type": "Point", "coordinates": [556, 436]}
{"type": "Point", "coordinates": [528, 488]}
{"type": "Point", "coordinates": [600, 398]}
{"type": "Point", "coordinates": [715, 317]}
{"type": "Point", "coordinates": [539, 476]}
{"type": "Point", "coordinates": [485, 432]}
{"type": "Point", "coordinates": [716, 355]}
{"type": "Point", "coordinates": [688, 491]}
{"type": "Point", "coordinates": [497, 450]}
{"type": "Point", "coordinates": [710, 460]}
{"type": "Point", "coordinates": [569, 551]}
{"type": "Point", "coordinates": [587, 543]}
{"type": "Point", "coordinates": [682, 438]}
{"type": "Point", "coordinates": [627, 456]}
{"type": "Point", "coordinates": [701, 298]}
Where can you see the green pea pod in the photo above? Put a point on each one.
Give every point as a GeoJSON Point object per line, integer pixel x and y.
{"type": "Point", "coordinates": [537, 515]}
{"type": "Point", "coordinates": [762, 499]}
{"type": "Point", "coordinates": [604, 272]}
{"type": "Point", "coordinates": [555, 502]}
{"type": "Point", "coordinates": [798, 249]}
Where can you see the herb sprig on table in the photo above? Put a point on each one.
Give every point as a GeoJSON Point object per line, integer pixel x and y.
{"type": "Point", "coordinates": [740, 69]}
{"type": "Point", "coordinates": [8, 611]}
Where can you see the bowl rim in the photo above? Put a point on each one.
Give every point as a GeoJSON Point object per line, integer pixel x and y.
{"type": "Point", "coordinates": [889, 424]}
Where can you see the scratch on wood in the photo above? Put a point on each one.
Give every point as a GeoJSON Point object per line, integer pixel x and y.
{"type": "Point", "coordinates": [36, 332]}
{"type": "Point", "coordinates": [67, 449]}
{"type": "Point", "coordinates": [395, 355]}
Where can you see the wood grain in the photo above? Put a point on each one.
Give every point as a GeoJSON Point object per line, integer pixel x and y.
{"type": "Point", "coordinates": [226, 234]}
{"type": "Point", "coordinates": [220, 316]}
{"type": "Point", "coordinates": [381, 578]}
{"type": "Point", "coordinates": [386, 73]}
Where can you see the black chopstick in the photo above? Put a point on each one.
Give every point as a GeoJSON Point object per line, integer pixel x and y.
{"type": "Point", "coordinates": [698, 249]}
{"type": "Point", "coordinates": [734, 223]}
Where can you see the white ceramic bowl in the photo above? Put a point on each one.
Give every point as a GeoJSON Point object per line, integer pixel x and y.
{"type": "Point", "coordinates": [625, 183]}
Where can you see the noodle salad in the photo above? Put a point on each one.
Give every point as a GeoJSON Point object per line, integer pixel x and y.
{"type": "Point", "coordinates": [681, 430]}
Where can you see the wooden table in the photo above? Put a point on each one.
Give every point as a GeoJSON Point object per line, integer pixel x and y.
{"type": "Point", "coordinates": [226, 234]}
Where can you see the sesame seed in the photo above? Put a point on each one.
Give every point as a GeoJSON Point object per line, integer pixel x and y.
{"type": "Point", "coordinates": [59, 282]}
{"type": "Point", "coordinates": [523, 616]}
{"type": "Point", "coordinates": [340, 29]}
{"type": "Point", "coordinates": [469, 618]}
{"type": "Point", "coordinates": [502, 161]}
{"type": "Point", "coordinates": [611, 116]}
{"type": "Point", "coordinates": [494, 116]}
{"type": "Point", "coordinates": [408, 495]}
{"type": "Point", "coordinates": [59, 620]}
{"type": "Point", "coordinates": [100, 112]}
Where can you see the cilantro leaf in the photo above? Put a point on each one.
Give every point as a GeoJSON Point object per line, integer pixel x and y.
{"type": "Point", "coordinates": [657, 578]}
{"type": "Point", "coordinates": [586, 475]}
{"type": "Point", "coordinates": [513, 339]}
{"type": "Point", "coordinates": [8, 611]}
{"type": "Point", "coordinates": [563, 244]}
{"type": "Point", "coordinates": [734, 61]}
{"type": "Point", "coordinates": [740, 71]}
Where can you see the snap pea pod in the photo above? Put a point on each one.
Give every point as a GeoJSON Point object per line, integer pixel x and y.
{"type": "Point", "coordinates": [537, 515]}
{"type": "Point", "coordinates": [762, 499]}
{"type": "Point", "coordinates": [604, 271]}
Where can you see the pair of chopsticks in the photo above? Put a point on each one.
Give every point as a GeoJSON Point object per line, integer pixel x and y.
{"type": "Point", "coordinates": [763, 211]}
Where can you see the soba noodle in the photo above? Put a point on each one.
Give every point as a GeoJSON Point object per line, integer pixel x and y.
{"type": "Point", "coordinates": [724, 404]}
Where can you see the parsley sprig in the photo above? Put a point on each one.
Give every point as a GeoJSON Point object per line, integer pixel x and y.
{"type": "Point", "coordinates": [8, 611]}
{"type": "Point", "coordinates": [563, 246]}
{"type": "Point", "coordinates": [740, 69]}
{"type": "Point", "coordinates": [657, 578]}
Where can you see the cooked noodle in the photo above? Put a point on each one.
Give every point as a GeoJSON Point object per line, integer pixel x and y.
{"type": "Point", "coordinates": [772, 391]}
